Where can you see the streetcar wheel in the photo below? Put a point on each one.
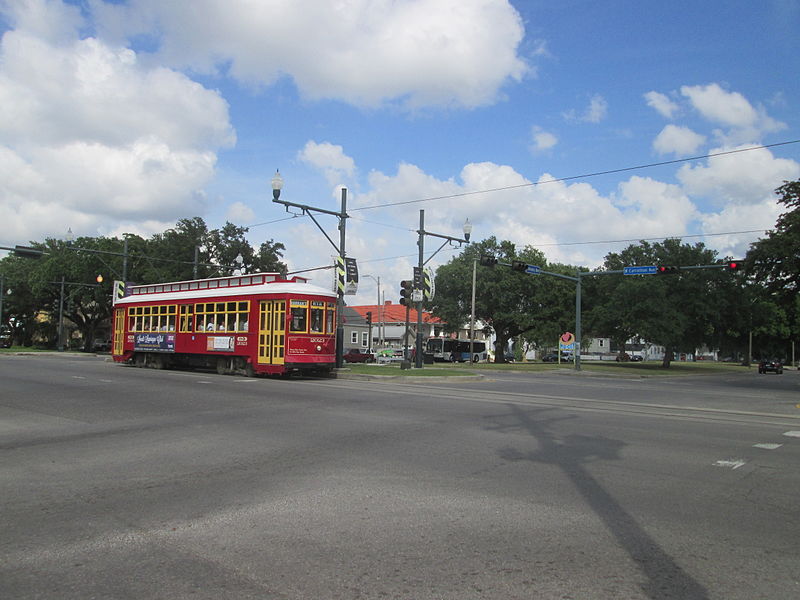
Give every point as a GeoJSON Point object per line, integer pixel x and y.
{"type": "Point", "coordinates": [222, 366]}
{"type": "Point", "coordinates": [139, 360]}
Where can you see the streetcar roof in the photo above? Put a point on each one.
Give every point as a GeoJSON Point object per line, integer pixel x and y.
{"type": "Point", "coordinates": [274, 287]}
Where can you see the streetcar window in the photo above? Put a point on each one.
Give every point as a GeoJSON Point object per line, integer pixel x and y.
{"type": "Point", "coordinates": [222, 316]}
{"type": "Point", "coordinates": [234, 282]}
{"type": "Point", "coordinates": [331, 321]}
{"type": "Point", "coordinates": [184, 286]}
{"type": "Point", "coordinates": [317, 319]}
{"type": "Point", "coordinates": [186, 318]}
{"type": "Point", "coordinates": [203, 285]}
{"type": "Point", "coordinates": [193, 285]}
{"type": "Point", "coordinates": [245, 280]}
{"type": "Point", "coordinates": [223, 283]}
{"type": "Point", "coordinates": [299, 315]}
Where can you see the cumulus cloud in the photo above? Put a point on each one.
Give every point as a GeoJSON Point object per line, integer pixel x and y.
{"type": "Point", "coordinates": [97, 136]}
{"type": "Point", "coordinates": [678, 140]}
{"type": "Point", "coordinates": [594, 113]}
{"type": "Point", "coordinates": [662, 104]}
{"type": "Point", "coordinates": [739, 179]}
{"type": "Point", "coordinates": [737, 217]}
{"type": "Point", "coordinates": [416, 53]}
{"type": "Point", "coordinates": [543, 140]}
{"type": "Point", "coordinates": [745, 122]}
{"type": "Point", "coordinates": [330, 159]}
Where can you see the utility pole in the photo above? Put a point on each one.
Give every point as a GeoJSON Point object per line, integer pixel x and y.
{"type": "Point", "coordinates": [277, 185]}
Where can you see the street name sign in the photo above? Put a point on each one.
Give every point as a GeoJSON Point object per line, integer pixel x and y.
{"type": "Point", "coordinates": [533, 270]}
{"type": "Point", "coordinates": [651, 270]}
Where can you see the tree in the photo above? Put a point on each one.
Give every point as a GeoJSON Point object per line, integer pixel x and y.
{"type": "Point", "coordinates": [774, 261]}
{"type": "Point", "coordinates": [510, 302]}
{"type": "Point", "coordinates": [679, 312]}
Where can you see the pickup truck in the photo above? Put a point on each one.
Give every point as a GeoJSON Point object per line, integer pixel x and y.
{"type": "Point", "coordinates": [358, 356]}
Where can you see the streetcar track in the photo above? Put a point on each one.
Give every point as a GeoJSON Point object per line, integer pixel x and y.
{"type": "Point", "coordinates": [581, 404]}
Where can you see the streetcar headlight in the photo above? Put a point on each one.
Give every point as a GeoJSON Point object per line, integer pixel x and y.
{"type": "Point", "coordinates": [319, 348]}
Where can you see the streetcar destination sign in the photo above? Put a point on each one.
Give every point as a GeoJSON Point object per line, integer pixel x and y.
{"type": "Point", "coordinates": [639, 270]}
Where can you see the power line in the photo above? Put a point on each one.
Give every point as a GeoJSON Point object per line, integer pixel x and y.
{"type": "Point", "coordinates": [698, 235]}
{"type": "Point", "coordinates": [573, 177]}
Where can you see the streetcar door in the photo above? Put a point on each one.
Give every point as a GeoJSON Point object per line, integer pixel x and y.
{"type": "Point", "coordinates": [271, 332]}
{"type": "Point", "coordinates": [119, 331]}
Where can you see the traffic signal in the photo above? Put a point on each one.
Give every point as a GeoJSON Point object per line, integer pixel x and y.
{"type": "Point", "coordinates": [27, 252]}
{"type": "Point", "coordinates": [734, 265]}
{"type": "Point", "coordinates": [369, 317]}
{"type": "Point", "coordinates": [488, 261]}
{"type": "Point", "coordinates": [99, 279]}
{"type": "Point", "coordinates": [518, 265]}
{"type": "Point", "coordinates": [405, 292]}
{"type": "Point", "coordinates": [664, 270]}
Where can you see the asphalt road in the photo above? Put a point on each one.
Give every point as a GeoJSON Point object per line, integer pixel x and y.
{"type": "Point", "coordinates": [126, 483]}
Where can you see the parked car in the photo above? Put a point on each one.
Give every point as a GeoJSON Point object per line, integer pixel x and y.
{"type": "Point", "coordinates": [552, 357]}
{"type": "Point", "coordinates": [509, 357]}
{"type": "Point", "coordinates": [102, 345]}
{"type": "Point", "coordinates": [5, 340]}
{"type": "Point", "coordinates": [774, 366]}
{"type": "Point", "coordinates": [356, 355]}
{"type": "Point", "coordinates": [636, 358]}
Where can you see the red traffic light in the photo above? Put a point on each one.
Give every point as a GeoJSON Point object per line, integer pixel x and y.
{"type": "Point", "coordinates": [734, 265]}
{"type": "Point", "coordinates": [665, 270]}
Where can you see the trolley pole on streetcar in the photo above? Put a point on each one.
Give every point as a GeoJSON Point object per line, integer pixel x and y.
{"type": "Point", "coordinates": [277, 185]}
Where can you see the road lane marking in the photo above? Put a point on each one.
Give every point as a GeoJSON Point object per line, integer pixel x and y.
{"type": "Point", "coordinates": [767, 446]}
{"type": "Point", "coordinates": [733, 463]}
{"type": "Point", "coordinates": [792, 434]}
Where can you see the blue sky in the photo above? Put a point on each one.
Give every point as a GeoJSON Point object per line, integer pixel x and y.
{"type": "Point", "coordinates": [127, 116]}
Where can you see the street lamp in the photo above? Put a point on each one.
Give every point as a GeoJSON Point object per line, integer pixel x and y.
{"type": "Point", "coordinates": [380, 309]}
{"type": "Point", "coordinates": [277, 185]}
{"type": "Point", "coordinates": [421, 264]}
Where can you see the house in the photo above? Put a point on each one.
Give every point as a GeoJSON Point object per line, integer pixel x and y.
{"type": "Point", "coordinates": [388, 326]}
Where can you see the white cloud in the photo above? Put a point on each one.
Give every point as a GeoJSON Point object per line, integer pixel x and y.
{"type": "Point", "coordinates": [416, 53]}
{"type": "Point", "coordinates": [239, 212]}
{"type": "Point", "coordinates": [543, 140]}
{"type": "Point", "coordinates": [95, 138]}
{"type": "Point", "coordinates": [678, 140]}
{"type": "Point", "coordinates": [594, 113]}
{"type": "Point", "coordinates": [745, 122]}
{"type": "Point", "coordinates": [330, 159]}
{"type": "Point", "coordinates": [740, 179]}
{"type": "Point", "coordinates": [662, 104]}
{"type": "Point", "coordinates": [736, 217]}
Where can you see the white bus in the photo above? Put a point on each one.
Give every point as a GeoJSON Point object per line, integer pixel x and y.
{"type": "Point", "coordinates": [450, 350]}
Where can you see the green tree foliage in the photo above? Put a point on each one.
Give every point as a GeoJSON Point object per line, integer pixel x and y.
{"type": "Point", "coordinates": [774, 262]}
{"type": "Point", "coordinates": [510, 302]}
{"type": "Point", "coordinates": [680, 312]}
{"type": "Point", "coordinates": [186, 251]}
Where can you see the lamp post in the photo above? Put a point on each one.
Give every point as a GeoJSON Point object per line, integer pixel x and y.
{"type": "Point", "coordinates": [277, 186]}
{"type": "Point", "coordinates": [378, 306]}
{"type": "Point", "coordinates": [421, 264]}
{"type": "Point", "coordinates": [2, 294]}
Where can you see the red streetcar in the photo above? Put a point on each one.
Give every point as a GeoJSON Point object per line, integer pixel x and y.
{"type": "Point", "coordinates": [244, 324]}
